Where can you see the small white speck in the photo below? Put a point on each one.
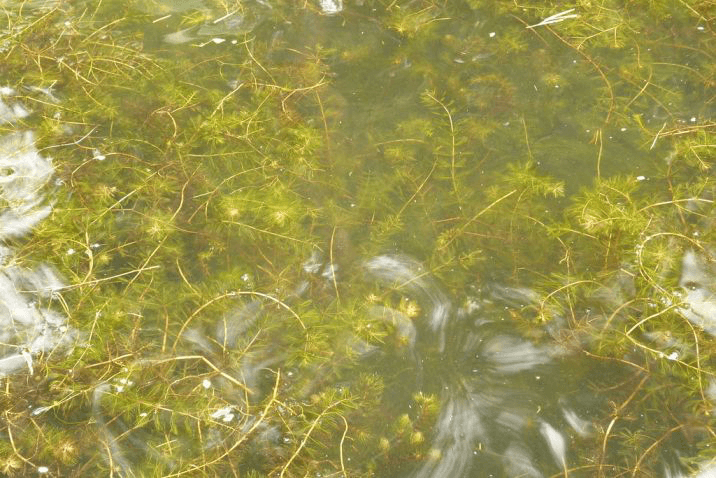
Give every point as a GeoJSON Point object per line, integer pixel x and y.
{"type": "Point", "coordinates": [556, 86]}
{"type": "Point", "coordinates": [206, 383]}
{"type": "Point", "coordinates": [42, 469]}
{"type": "Point", "coordinates": [700, 28]}
{"type": "Point", "coordinates": [70, 251]}
{"type": "Point", "coordinates": [640, 178]}
{"type": "Point", "coordinates": [492, 34]}
{"type": "Point", "coordinates": [218, 40]}
{"type": "Point", "coordinates": [506, 123]}
{"type": "Point", "coordinates": [234, 42]}
{"type": "Point", "coordinates": [97, 155]}
{"type": "Point", "coordinates": [622, 129]}
{"type": "Point", "coordinates": [673, 356]}
{"type": "Point", "coordinates": [693, 119]}
{"type": "Point", "coordinates": [143, 414]}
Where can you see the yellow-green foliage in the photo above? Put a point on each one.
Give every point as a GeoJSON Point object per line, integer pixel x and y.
{"type": "Point", "coordinates": [195, 179]}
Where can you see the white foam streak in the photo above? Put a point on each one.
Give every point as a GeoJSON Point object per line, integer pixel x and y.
{"type": "Point", "coordinates": [405, 273]}
{"type": "Point", "coordinates": [116, 457]}
{"type": "Point", "coordinates": [182, 36]}
{"type": "Point", "coordinates": [556, 443]}
{"type": "Point", "coordinates": [582, 427]}
{"type": "Point", "coordinates": [234, 325]}
{"type": "Point", "coordinates": [13, 363]}
{"type": "Point", "coordinates": [28, 328]}
{"type": "Point", "coordinates": [23, 175]}
{"type": "Point", "coordinates": [510, 354]}
{"type": "Point", "coordinates": [518, 463]}
{"type": "Point", "coordinates": [24, 326]}
{"type": "Point", "coordinates": [10, 113]}
{"type": "Point", "coordinates": [458, 427]}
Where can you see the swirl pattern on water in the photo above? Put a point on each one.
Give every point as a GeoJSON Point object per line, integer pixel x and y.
{"type": "Point", "coordinates": [488, 380]}
{"type": "Point", "coordinates": [509, 405]}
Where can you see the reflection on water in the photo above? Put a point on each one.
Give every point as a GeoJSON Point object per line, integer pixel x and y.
{"type": "Point", "coordinates": [407, 274]}
{"type": "Point", "coordinates": [509, 405]}
{"type": "Point", "coordinates": [331, 7]}
{"type": "Point", "coordinates": [495, 414]}
{"type": "Point", "coordinates": [24, 175]}
{"type": "Point", "coordinates": [29, 327]}
{"type": "Point", "coordinates": [346, 88]}
{"type": "Point", "coordinates": [497, 411]}
{"type": "Point", "coordinates": [698, 281]}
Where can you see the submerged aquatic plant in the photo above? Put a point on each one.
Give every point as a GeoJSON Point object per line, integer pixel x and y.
{"type": "Point", "coordinates": [308, 239]}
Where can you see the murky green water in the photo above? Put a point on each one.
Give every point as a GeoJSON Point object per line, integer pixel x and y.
{"type": "Point", "coordinates": [357, 238]}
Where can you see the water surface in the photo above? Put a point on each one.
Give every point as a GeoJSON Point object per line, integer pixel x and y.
{"type": "Point", "coordinates": [357, 238]}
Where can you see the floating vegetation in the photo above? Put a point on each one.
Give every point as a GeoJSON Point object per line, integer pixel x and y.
{"type": "Point", "coordinates": [357, 238]}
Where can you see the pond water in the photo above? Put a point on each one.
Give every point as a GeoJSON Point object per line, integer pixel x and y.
{"type": "Point", "coordinates": [360, 238]}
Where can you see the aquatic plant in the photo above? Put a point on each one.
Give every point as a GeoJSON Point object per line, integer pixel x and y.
{"type": "Point", "coordinates": [291, 240]}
